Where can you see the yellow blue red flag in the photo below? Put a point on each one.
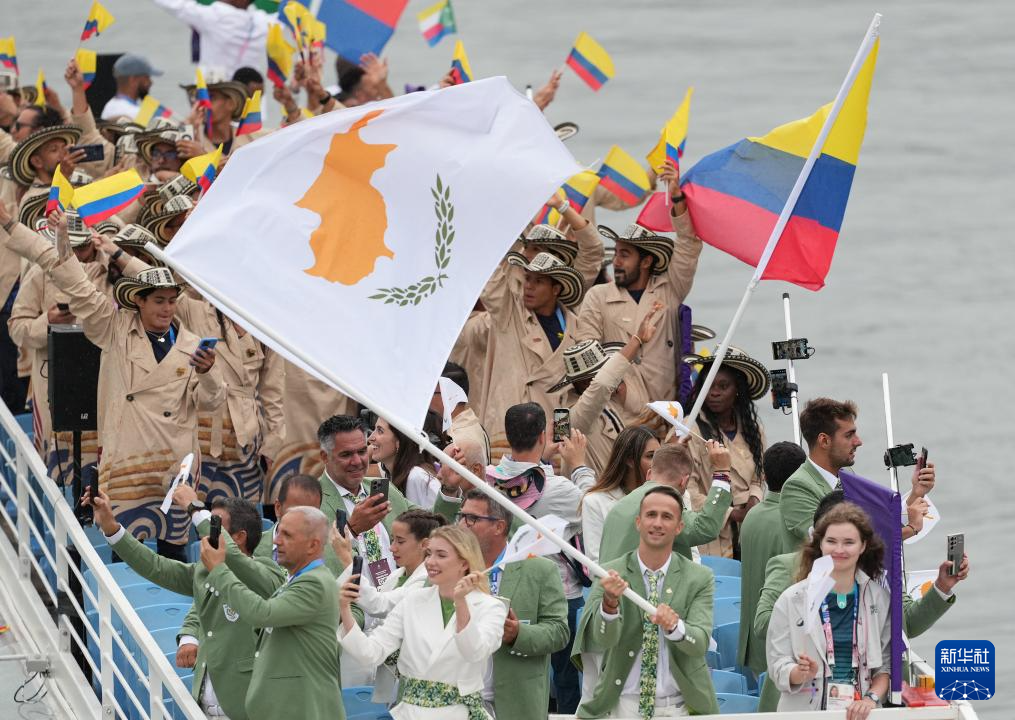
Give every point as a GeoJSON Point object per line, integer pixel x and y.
{"type": "Point", "coordinates": [280, 56]}
{"type": "Point", "coordinates": [250, 121]}
{"type": "Point", "coordinates": [103, 198]}
{"type": "Point", "coordinates": [98, 20]}
{"type": "Point", "coordinates": [8, 54]}
{"type": "Point", "coordinates": [61, 192]}
{"type": "Point", "coordinates": [203, 98]}
{"type": "Point", "coordinates": [624, 176]}
{"type": "Point", "coordinates": [150, 108]}
{"type": "Point", "coordinates": [461, 70]}
{"type": "Point", "coordinates": [590, 61]}
{"type": "Point", "coordinates": [673, 136]}
{"type": "Point", "coordinates": [86, 64]}
{"type": "Point", "coordinates": [203, 168]}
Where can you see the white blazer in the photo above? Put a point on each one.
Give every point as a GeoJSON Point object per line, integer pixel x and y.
{"type": "Point", "coordinates": [378, 602]}
{"type": "Point", "coordinates": [595, 507]}
{"type": "Point", "coordinates": [429, 650]}
{"type": "Point", "coordinates": [788, 638]}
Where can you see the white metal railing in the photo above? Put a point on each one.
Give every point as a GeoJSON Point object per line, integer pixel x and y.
{"type": "Point", "coordinates": [44, 528]}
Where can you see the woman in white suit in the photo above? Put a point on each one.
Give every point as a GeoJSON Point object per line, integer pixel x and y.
{"type": "Point", "coordinates": [842, 658]}
{"type": "Point", "coordinates": [445, 633]}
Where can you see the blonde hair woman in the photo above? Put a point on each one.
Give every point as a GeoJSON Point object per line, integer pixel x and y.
{"type": "Point", "coordinates": [445, 633]}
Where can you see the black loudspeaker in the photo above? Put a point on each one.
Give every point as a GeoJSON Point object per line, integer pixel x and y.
{"type": "Point", "coordinates": [103, 87]}
{"type": "Point", "coordinates": [73, 379]}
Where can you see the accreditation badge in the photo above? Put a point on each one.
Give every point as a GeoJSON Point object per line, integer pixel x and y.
{"type": "Point", "coordinates": [380, 570]}
{"type": "Point", "coordinates": [838, 696]}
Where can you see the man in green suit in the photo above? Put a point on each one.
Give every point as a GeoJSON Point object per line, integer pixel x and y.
{"type": "Point", "coordinates": [296, 670]}
{"type": "Point", "coordinates": [917, 615]}
{"type": "Point", "coordinates": [295, 490]}
{"type": "Point", "coordinates": [671, 467]}
{"type": "Point", "coordinates": [651, 666]}
{"type": "Point", "coordinates": [536, 625]}
{"type": "Point", "coordinates": [225, 653]}
{"type": "Point", "coordinates": [762, 536]}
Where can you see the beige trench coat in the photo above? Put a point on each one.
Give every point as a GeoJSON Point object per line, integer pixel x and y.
{"type": "Point", "coordinates": [470, 352]}
{"type": "Point", "coordinates": [610, 314]}
{"type": "Point", "coordinates": [594, 413]}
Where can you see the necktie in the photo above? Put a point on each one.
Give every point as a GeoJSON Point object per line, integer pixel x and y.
{"type": "Point", "coordinates": [649, 651]}
{"type": "Point", "coordinates": [373, 543]}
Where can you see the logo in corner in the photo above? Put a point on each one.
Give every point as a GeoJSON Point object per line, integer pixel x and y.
{"type": "Point", "coordinates": [964, 669]}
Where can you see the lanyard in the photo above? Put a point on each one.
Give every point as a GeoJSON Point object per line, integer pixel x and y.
{"type": "Point", "coordinates": [826, 622]}
{"type": "Point", "coordinates": [495, 573]}
{"type": "Point", "coordinates": [560, 319]}
{"type": "Point", "coordinates": [310, 566]}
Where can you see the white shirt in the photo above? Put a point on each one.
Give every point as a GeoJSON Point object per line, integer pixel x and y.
{"type": "Point", "coordinates": [831, 479]}
{"type": "Point", "coordinates": [121, 106]}
{"type": "Point", "coordinates": [666, 686]}
{"type": "Point", "coordinates": [595, 507]}
{"type": "Point", "coordinates": [422, 488]}
{"type": "Point", "coordinates": [231, 38]}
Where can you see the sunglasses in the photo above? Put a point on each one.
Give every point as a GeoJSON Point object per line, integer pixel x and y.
{"type": "Point", "coordinates": [164, 154]}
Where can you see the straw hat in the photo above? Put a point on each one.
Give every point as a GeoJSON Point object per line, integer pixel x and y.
{"type": "Point", "coordinates": [108, 226]}
{"type": "Point", "coordinates": [133, 237]}
{"type": "Point", "coordinates": [21, 168]}
{"type": "Point", "coordinates": [758, 378]}
{"type": "Point", "coordinates": [126, 289]}
{"type": "Point", "coordinates": [546, 264]}
{"type": "Point", "coordinates": [660, 247]}
{"type": "Point", "coordinates": [236, 90]}
{"type": "Point", "coordinates": [147, 141]}
{"type": "Point", "coordinates": [32, 209]}
{"type": "Point", "coordinates": [700, 333]}
{"type": "Point", "coordinates": [76, 229]}
{"type": "Point", "coordinates": [553, 241]}
{"type": "Point", "coordinates": [566, 130]}
{"type": "Point", "coordinates": [170, 209]}
{"type": "Point", "coordinates": [584, 360]}
{"type": "Point", "coordinates": [179, 185]}
{"type": "Point", "coordinates": [118, 127]}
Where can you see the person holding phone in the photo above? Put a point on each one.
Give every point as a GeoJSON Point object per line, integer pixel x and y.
{"type": "Point", "coordinates": [153, 376]}
{"type": "Point", "coordinates": [410, 469]}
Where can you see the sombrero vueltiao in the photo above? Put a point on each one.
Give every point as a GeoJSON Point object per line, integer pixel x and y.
{"type": "Point", "coordinates": [569, 279]}
{"type": "Point", "coordinates": [147, 140]}
{"type": "Point", "coordinates": [126, 289]}
{"type": "Point", "coordinates": [660, 247]}
{"type": "Point", "coordinates": [566, 130]}
{"type": "Point", "coordinates": [553, 241]}
{"type": "Point", "coordinates": [133, 238]}
{"type": "Point", "coordinates": [236, 90]}
{"type": "Point", "coordinates": [77, 231]}
{"type": "Point", "coordinates": [116, 128]}
{"type": "Point", "coordinates": [107, 227]}
{"type": "Point", "coordinates": [172, 207]}
{"type": "Point", "coordinates": [179, 185]}
{"type": "Point", "coordinates": [584, 360]}
{"type": "Point", "coordinates": [758, 379]}
{"type": "Point", "coordinates": [32, 209]}
{"type": "Point", "coordinates": [21, 168]}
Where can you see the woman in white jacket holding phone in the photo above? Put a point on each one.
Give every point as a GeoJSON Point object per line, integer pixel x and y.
{"type": "Point", "coordinates": [841, 658]}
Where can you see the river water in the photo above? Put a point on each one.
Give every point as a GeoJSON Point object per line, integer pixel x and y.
{"type": "Point", "coordinates": [920, 286]}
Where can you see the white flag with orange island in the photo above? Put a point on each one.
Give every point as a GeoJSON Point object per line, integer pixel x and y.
{"type": "Point", "coordinates": [356, 243]}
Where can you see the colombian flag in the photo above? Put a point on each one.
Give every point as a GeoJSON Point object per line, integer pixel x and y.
{"type": "Point", "coordinates": [359, 26]}
{"type": "Point", "coordinates": [251, 119]}
{"type": "Point", "coordinates": [592, 63]}
{"type": "Point", "coordinates": [9, 54]}
{"type": "Point", "coordinates": [461, 71]}
{"type": "Point", "coordinates": [150, 108]}
{"type": "Point", "coordinates": [735, 195]}
{"type": "Point", "coordinates": [61, 192]}
{"type": "Point", "coordinates": [579, 189]}
{"type": "Point", "coordinates": [673, 136]}
{"type": "Point", "coordinates": [98, 20]}
{"type": "Point", "coordinates": [40, 89]}
{"type": "Point", "coordinates": [280, 56]}
{"type": "Point", "coordinates": [298, 17]}
{"type": "Point", "coordinates": [623, 176]}
{"type": "Point", "coordinates": [86, 64]}
{"type": "Point", "coordinates": [203, 98]}
{"type": "Point", "coordinates": [317, 33]}
{"type": "Point", "coordinates": [436, 21]}
{"type": "Point", "coordinates": [202, 169]}
{"type": "Point", "coordinates": [103, 198]}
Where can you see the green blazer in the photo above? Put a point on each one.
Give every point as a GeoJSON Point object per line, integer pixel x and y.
{"type": "Point", "coordinates": [296, 668]}
{"type": "Point", "coordinates": [689, 589]}
{"type": "Point", "coordinates": [620, 536]}
{"type": "Point", "coordinates": [917, 615]}
{"type": "Point", "coordinates": [332, 501]}
{"type": "Point", "coordinates": [521, 671]}
{"type": "Point", "coordinates": [801, 494]}
{"type": "Point", "coordinates": [226, 640]}
{"type": "Point", "coordinates": [762, 536]}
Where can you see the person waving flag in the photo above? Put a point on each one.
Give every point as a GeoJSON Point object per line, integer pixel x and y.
{"type": "Point", "coordinates": [250, 121]}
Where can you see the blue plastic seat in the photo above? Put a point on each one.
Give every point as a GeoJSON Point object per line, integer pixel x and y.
{"type": "Point", "coordinates": [194, 551]}
{"type": "Point", "coordinates": [145, 593]}
{"type": "Point", "coordinates": [725, 610]}
{"type": "Point", "coordinates": [727, 586]}
{"type": "Point", "coordinates": [712, 659]}
{"type": "Point", "coordinates": [123, 576]}
{"type": "Point", "coordinates": [167, 615]}
{"type": "Point", "coordinates": [730, 703]}
{"type": "Point", "coordinates": [761, 682]}
{"type": "Point", "coordinates": [727, 637]}
{"type": "Point", "coordinates": [722, 565]}
{"type": "Point", "coordinates": [729, 682]}
{"type": "Point", "coordinates": [359, 704]}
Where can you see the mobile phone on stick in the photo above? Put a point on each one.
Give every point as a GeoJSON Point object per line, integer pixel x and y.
{"type": "Point", "coordinates": [357, 568]}
{"type": "Point", "coordinates": [956, 549]}
{"type": "Point", "coordinates": [216, 531]}
{"type": "Point", "coordinates": [561, 424]}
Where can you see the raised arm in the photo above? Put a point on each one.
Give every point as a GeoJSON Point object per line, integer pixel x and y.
{"type": "Point", "coordinates": [687, 249]}
{"type": "Point", "coordinates": [29, 323]}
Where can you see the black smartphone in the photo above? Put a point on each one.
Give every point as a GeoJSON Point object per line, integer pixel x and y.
{"type": "Point", "coordinates": [380, 486]}
{"type": "Point", "coordinates": [216, 531]}
{"type": "Point", "coordinates": [921, 460]}
{"type": "Point", "coordinates": [357, 568]}
{"type": "Point", "coordinates": [561, 424]}
{"type": "Point", "coordinates": [93, 153]}
{"type": "Point", "coordinates": [208, 343]}
{"type": "Point", "coordinates": [956, 549]}
{"type": "Point", "coordinates": [341, 521]}
{"type": "Point", "coordinates": [63, 307]}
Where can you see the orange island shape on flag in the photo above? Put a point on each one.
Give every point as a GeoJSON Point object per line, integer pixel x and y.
{"type": "Point", "coordinates": [350, 238]}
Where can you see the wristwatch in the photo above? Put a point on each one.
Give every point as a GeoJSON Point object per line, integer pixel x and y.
{"type": "Point", "coordinates": [677, 198]}
{"type": "Point", "coordinates": [194, 506]}
{"type": "Point", "coordinates": [873, 696]}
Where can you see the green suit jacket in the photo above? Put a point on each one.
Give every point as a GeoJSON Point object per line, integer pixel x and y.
{"type": "Point", "coordinates": [762, 536]}
{"type": "Point", "coordinates": [296, 670]}
{"type": "Point", "coordinates": [688, 588]}
{"type": "Point", "coordinates": [521, 671]}
{"type": "Point", "coordinates": [620, 536]}
{"type": "Point", "coordinates": [226, 640]}
{"type": "Point", "coordinates": [801, 494]}
{"type": "Point", "coordinates": [917, 615]}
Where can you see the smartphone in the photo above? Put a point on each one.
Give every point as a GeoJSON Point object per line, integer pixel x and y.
{"type": "Point", "coordinates": [380, 486]}
{"type": "Point", "coordinates": [207, 343]}
{"type": "Point", "coordinates": [341, 521]}
{"type": "Point", "coordinates": [63, 307]}
{"type": "Point", "coordinates": [93, 153]}
{"type": "Point", "coordinates": [921, 460]}
{"type": "Point", "coordinates": [216, 531]}
{"type": "Point", "coordinates": [561, 424]}
{"type": "Point", "coordinates": [357, 568]}
{"type": "Point", "coordinates": [956, 549]}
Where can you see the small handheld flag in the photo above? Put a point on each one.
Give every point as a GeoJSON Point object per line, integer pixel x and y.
{"type": "Point", "coordinates": [103, 198]}
{"type": "Point", "coordinates": [203, 168]}
{"type": "Point", "coordinates": [590, 61]}
{"type": "Point", "coordinates": [673, 136]}
{"type": "Point", "coordinates": [317, 33]}
{"type": "Point", "coordinates": [461, 70]}
{"type": "Point", "coordinates": [250, 121]}
{"type": "Point", "coordinates": [579, 189]}
{"type": "Point", "coordinates": [40, 89]}
{"type": "Point", "coordinates": [437, 21]}
{"type": "Point", "coordinates": [280, 56]}
{"type": "Point", "coordinates": [527, 542]}
{"type": "Point", "coordinates": [98, 20]}
{"type": "Point", "coordinates": [150, 108]}
{"type": "Point", "coordinates": [86, 64]}
{"type": "Point", "coordinates": [203, 98]}
{"type": "Point", "coordinates": [623, 176]}
{"type": "Point", "coordinates": [61, 192]}
{"type": "Point", "coordinates": [9, 54]}
{"type": "Point", "coordinates": [299, 20]}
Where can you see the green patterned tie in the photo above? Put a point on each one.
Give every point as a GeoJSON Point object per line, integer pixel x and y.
{"type": "Point", "coordinates": [373, 542]}
{"type": "Point", "coordinates": [649, 651]}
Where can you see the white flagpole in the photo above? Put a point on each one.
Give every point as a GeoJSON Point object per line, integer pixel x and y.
{"type": "Point", "coordinates": [264, 333]}
{"type": "Point", "coordinates": [787, 210]}
{"type": "Point", "coordinates": [791, 374]}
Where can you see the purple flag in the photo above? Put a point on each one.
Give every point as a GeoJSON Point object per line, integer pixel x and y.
{"type": "Point", "coordinates": [884, 506]}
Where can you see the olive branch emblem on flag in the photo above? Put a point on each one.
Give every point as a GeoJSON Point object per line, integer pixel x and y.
{"type": "Point", "coordinates": [424, 288]}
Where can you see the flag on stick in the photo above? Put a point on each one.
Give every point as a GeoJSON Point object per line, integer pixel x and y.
{"type": "Point", "coordinates": [356, 27]}
{"type": "Point", "coordinates": [40, 89]}
{"type": "Point", "coordinates": [280, 56]}
{"type": "Point", "coordinates": [673, 136]}
{"type": "Point", "coordinates": [437, 21]}
{"type": "Point", "coordinates": [624, 176]}
{"type": "Point", "coordinates": [590, 61]}
{"type": "Point", "coordinates": [98, 20]}
{"type": "Point", "coordinates": [203, 168]}
{"type": "Point", "coordinates": [203, 98]}
{"type": "Point", "coordinates": [9, 54]}
{"type": "Point", "coordinates": [528, 542]}
{"type": "Point", "coordinates": [461, 70]}
{"type": "Point", "coordinates": [86, 64]}
{"type": "Point", "coordinates": [150, 108]}
{"type": "Point", "coordinates": [61, 192]}
{"type": "Point", "coordinates": [250, 121]}
{"type": "Point", "coordinates": [103, 198]}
